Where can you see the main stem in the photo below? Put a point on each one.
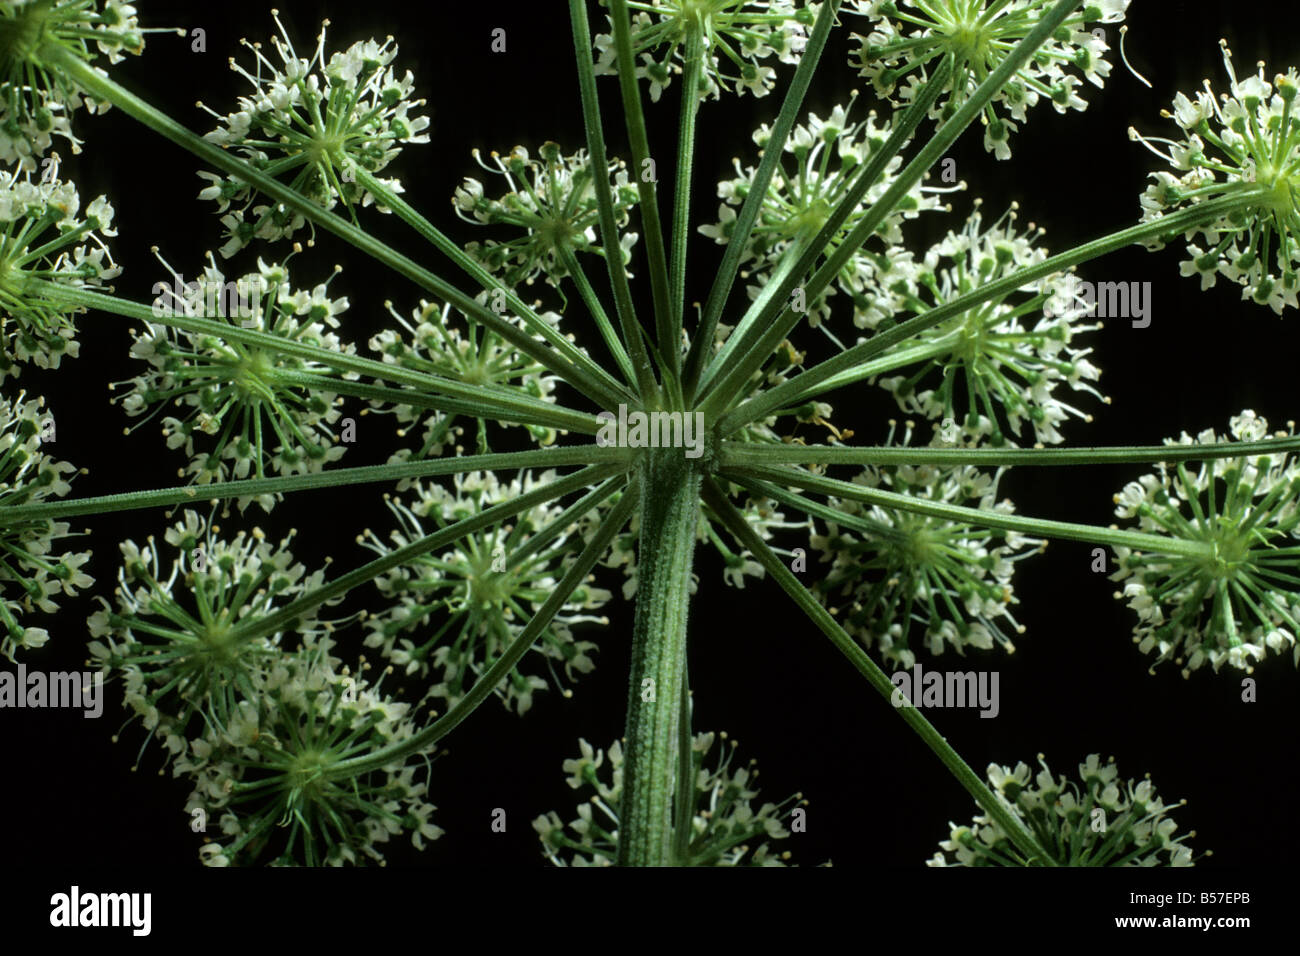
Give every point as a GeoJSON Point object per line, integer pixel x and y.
{"type": "Point", "coordinates": [670, 503]}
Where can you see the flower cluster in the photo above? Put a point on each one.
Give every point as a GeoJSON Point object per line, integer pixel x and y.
{"type": "Point", "coordinates": [554, 200]}
{"type": "Point", "coordinates": [995, 372]}
{"type": "Point", "coordinates": [828, 154]}
{"type": "Point", "coordinates": [175, 635]}
{"type": "Point", "coordinates": [243, 397]}
{"type": "Point", "coordinates": [322, 124]}
{"type": "Point", "coordinates": [1234, 599]}
{"type": "Point", "coordinates": [726, 828]}
{"type": "Point", "coordinates": [907, 36]}
{"type": "Point", "coordinates": [1248, 142]}
{"type": "Point", "coordinates": [736, 36]}
{"type": "Point", "coordinates": [431, 344]}
{"type": "Point", "coordinates": [276, 779]}
{"type": "Point", "coordinates": [1101, 823]}
{"type": "Point", "coordinates": [33, 572]}
{"type": "Point", "coordinates": [45, 235]}
{"type": "Point", "coordinates": [454, 613]}
{"type": "Point", "coordinates": [892, 569]}
{"type": "Point", "coordinates": [39, 98]}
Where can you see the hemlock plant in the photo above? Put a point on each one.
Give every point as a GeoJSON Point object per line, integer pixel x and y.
{"type": "Point", "coordinates": [233, 654]}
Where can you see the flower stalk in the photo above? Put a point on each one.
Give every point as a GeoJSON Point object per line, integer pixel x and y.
{"type": "Point", "coordinates": [877, 678]}
{"type": "Point", "coordinates": [564, 359]}
{"type": "Point", "coordinates": [483, 687]}
{"type": "Point", "coordinates": [469, 399]}
{"type": "Point", "coordinates": [334, 478]}
{"type": "Point", "coordinates": [814, 381]}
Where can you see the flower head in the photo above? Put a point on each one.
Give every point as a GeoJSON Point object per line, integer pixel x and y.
{"type": "Point", "coordinates": [276, 777]}
{"type": "Point", "coordinates": [893, 569]}
{"type": "Point", "coordinates": [554, 201]}
{"type": "Point", "coordinates": [737, 36]}
{"type": "Point", "coordinates": [726, 828]}
{"type": "Point", "coordinates": [33, 572]}
{"type": "Point", "coordinates": [993, 373]}
{"type": "Point", "coordinates": [431, 343]}
{"type": "Point", "coordinates": [1234, 599]}
{"type": "Point", "coordinates": [38, 98]}
{"type": "Point", "coordinates": [827, 156]}
{"type": "Point", "coordinates": [319, 124]}
{"type": "Point", "coordinates": [452, 614]}
{"type": "Point", "coordinates": [174, 633]}
{"type": "Point", "coordinates": [238, 397]}
{"type": "Point", "coordinates": [908, 36]}
{"type": "Point", "coordinates": [1101, 823]}
{"type": "Point", "coordinates": [1247, 141]}
{"type": "Point", "coordinates": [45, 235]}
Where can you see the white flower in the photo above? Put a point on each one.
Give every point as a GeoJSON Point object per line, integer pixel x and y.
{"type": "Point", "coordinates": [1232, 602]}
{"type": "Point", "coordinates": [1247, 141]}
{"type": "Point", "coordinates": [34, 571]}
{"type": "Point", "coordinates": [892, 569]}
{"type": "Point", "coordinates": [44, 215]}
{"type": "Point", "coordinates": [433, 342]}
{"type": "Point", "coordinates": [738, 35]}
{"type": "Point", "coordinates": [349, 114]}
{"type": "Point", "coordinates": [553, 201]}
{"type": "Point", "coordinates": [304, 808]}
{"type": "Point", "coordinates": [465, 605]}
{"type": "Point", "coordinates": [230, 390]}
{"type": "Point", "coordinates": [827, 156]}
{"type": "Point", "coordinates": [993, 351]}
{"type": "Point", "coordinates": [1136, 831]}
{"type": "Point", "coordinates": [39, 96]}
{"type": "Point", "coordinates": [910, 36]}
{"type": "Point", "coordinates": [727, 829]}
{"type": "Point", "coordinates": [173, 634]}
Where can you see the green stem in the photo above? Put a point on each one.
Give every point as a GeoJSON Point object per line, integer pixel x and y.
{"type": "Point", "coordinates": [498, 672]}
{"type": "Point", "coordinates": [894, 359]}
{"type": "Point", "coordinates": [740, 454]}
{"type": "Point", "coordinates": [725, 394]}
{"type": "Point", "coordinates": [412, 218]}
{"type": "Point", "coordinates": [806, 384]}
{"type": "Point", "coordinates": [785, 267]}
{"type": "Point", "coordinates": [99, 85]}
{"type": "Point", "coordinates": [720, 393]}
{"type": "Point", "coordinates": [562, 524]}
{"type": "Point", "coordinates": [996, 807]}
{"type": "Point", "coordinates": [670, 495]}
{"type": "Point", "coordinates": [702, 342]}
{"type": "Point", "coordinates": [684, 806]}
{"type": "Point", "coordinates": [627, 319]}
{"type": "Point", "coordinates": [597, 312]}
{"type": "Point", "coordinates": [681, 235]}
{"type": "Point", "coordinates": [415, 399]}
{"type": "Point", "coordinates": [479, 400]}
{"type": "Point", "coordinates": [333, 478]}
{"type": "Point", "coordinates": [1037, 527]}
{"type": "Point", "coordinates": [669, 348]}
{"type": "Point", "coordinates": [288, 615]}
{"type": "Point", "coordinates": [878, 532]}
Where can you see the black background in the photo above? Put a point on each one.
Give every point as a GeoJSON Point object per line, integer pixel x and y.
{"type": "Point", "coordinates": [1076, 683]}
